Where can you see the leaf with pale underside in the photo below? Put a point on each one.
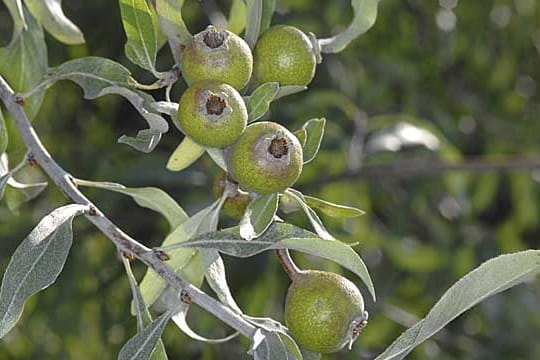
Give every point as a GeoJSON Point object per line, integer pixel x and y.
{"type": "Point", "coordinates": [331, 209]}
{"type": "Point", "coordinates": [272, 325]}
{"type": "Point", "coordinates": [283, 236]}
{"type": "Point", "coordinates": [140, 20]}
{"type": "Point", "coordinates": [312, 216]}
{"type": "Point", "coordinates": [24, 62]}
{"type": "Point", "coordinates": [15, 8]}
{"type": "Point", "coordinates": [259, 101]}
{"type": "Point", "coordinates": [365, 15]}
{"type": "Point", "coordinates": [490, 278]}
{"type": "Point", "coordinates": [36, 263]}
{"type": "Point", "coordinates": [170, 17]}
{"type": "Point", "coordinates": [51, 16]}
{"type": "Point", "coordinates": [185, 154]}
{"type": "Point", "coordinates": [314, 132]}
{"type": "Point", "coordinates": [148, 197]}
{"type": "Point", "coordinates": [258, 216]}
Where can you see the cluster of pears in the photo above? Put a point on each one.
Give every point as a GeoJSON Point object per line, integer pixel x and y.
{"type": "Point", "coordinates": [324, 311]}
{"type": "Point", "coordinates": [263, 157]}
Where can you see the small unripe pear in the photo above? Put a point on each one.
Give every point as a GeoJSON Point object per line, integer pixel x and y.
{"type": "Point", "coordinates": [284, 54]}
{"type": "Point", "coordinates": [212, 113]}
{"type": "Point", "coordinates": [236, 204]}
{"type": "Point", "coordinates": [267, 158]}
{"type": "Point", "coordinates": [324, 311]}
{"type": "Point", "coordinates": [218, 55]}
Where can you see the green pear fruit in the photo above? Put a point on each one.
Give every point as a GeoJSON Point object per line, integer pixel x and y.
{"type": "Point", "coordinates": [284, 54]}
{"type": "Point", "coordinates": [267, 158]}
{"type": "Point", "coordinates": [324, 311]}
{"type": "Point", "coordinates": [235, 205]}
{"type": "Point", "coordinates": [212, 113]}
{"type": "Point", "coordinates": [218, 55]}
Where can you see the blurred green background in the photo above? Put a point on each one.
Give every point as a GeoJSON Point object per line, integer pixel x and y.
{"type": "Point", "coordinates": [433, 82]}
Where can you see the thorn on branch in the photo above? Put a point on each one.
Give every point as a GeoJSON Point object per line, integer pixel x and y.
{"type": "Point", "coordinates": [185, 298]}
{"type": "Point", "coordinates": [127, 255]}
{"type": "Point", "coordinates": [161, 255]}
{"type": "Point", "coordinates": [19, 100]}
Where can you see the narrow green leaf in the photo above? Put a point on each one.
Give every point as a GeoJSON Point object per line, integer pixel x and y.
{"type": "Point", "coordinates": [50, 14]}
{"type": "Point", "coordinates": [331, 209]}
{"type": "Point", "coordinates": [284, 236]}
{"type": "Point", "coordinates": [365, 14]}
{"type": "Point", "coordinates": [145, 141]}
{"type": "Point", "coordinates": [490, 278]}
{"type": "Point", "coordinates": [140, 346]}
{"type": "Point", "coordinates": [301, 134]}
{"type": "Point", "coordinates": [259, 101]}
{"type": "Point", "coordinates": [258, 216]}
{"type": "Point", "coordinates": [144, 318]}
{"type": "Point", "coordinates": [269, 6]}
{"type": "Point", "coordinates": [312, 216]}
{"type": "Point", "coordinates": [139, 24]}
{"type": "Point", "coordinates": [180, 320]}
{"type": "Point", "coordinates": [216, 277]}
{"type": "Point", "coordinates": [254, 10]}
{"type": "Point", "coordinates": [185, 154]}
{"type": "Point", "coordinates": [236, 23]}
{"type": "Point", "coordinates": [172, 23]}
{"type": "Point", "coordinates": [289, 90]}
{"type": "Point", "coordinates": [36, 263]}
{"type": "Point", "coordinates": [3, 134]}
{"type": "Point", "coordinates": [148, 197]}
{"type": "Point", "coordinates": [24, 63]}
{"type": "Point", "coordinates": [15, 8]}
{"type": "Point", "coordinates": [315, 132]}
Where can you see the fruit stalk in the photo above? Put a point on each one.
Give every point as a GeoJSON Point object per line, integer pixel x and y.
{"type": "Point", "coordinates": [288, 264]}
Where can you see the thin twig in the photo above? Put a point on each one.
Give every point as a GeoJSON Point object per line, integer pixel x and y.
{"type": "Point", "coordinates": [288, 264]}
{"type": "Point", "coordinates": [124, 242]}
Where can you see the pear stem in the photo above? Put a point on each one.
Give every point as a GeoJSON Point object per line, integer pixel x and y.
{"type": "Point", "coordinates": [288, 264]}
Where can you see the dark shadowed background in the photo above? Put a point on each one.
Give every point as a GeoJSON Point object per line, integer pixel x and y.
{"type": "Point", "coordinates": [433, 83]}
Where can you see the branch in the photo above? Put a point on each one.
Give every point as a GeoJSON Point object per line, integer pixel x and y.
{"type": "Point", "coordinates": [124, 242]}
{"type": "Point", "coordinates": [287, 263]}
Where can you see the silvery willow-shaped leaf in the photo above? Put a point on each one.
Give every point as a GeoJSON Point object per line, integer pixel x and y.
{"type": "Point", "coordinates": [170, 17]}
{"type": "Point", "coordinates": [185, 154]}
{"type": "Point", "coordinates": [141, 311]}
{"type": "Point", "coordinates": [331, 209]}
{"type": "Point", "coordinates": [24, 62]}
{"type": "Point", "coordinates": [283, 236]}
{"type": "Point", "coordinates": [258, 216]}
{"type": "Point", "coordinates": [148, 197]}
{"type": "Point", "coordinates": [50, 15]}
{"type": "Point", "coordinates": [254, 15]}
{"type": "Point", "coordinates": [259, 101]}
{"type": "Point", "coordinates": [490, 278]}
{"type": "Point", "coordinates": [312, 216]}
{"type": "Point", "coordinates": [36, 263]}
{"type": "Point", "coordinates": [99, 76]}
{"type": "Point", "coordinates": [141, 346]}
{"type": "Point", "coordinates": [289, 90]}
{"type": "Point", "coordinates": [140, 20]}
{"type": "Point", "coordinates": [365, 14]}
{"type": "Point", "coordinates": [314, 132]}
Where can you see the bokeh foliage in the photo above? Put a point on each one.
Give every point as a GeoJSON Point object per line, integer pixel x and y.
{"type": "Point", "coordinates": [469, 74]}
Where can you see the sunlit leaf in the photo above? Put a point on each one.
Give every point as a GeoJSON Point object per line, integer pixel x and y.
{"type": "Point", "coordinates": [139, 21]}
{"type": "Point", "coordinates": [314, 134]}
{"type": "Point", "coordinates": [36, 263]}
{"type": "Point", "coordinates": [490, 278]}
{"type": "Point", "coordinates": [140, 346]}
{"type": "Point", "coordinates": [331, 209]}
{"type": "Point", "coordinates": [258, 216]}
{"type": "Point", "coordinates": [236, 23]}
{"type": "Point", "coordinates": [312, 216]}
{"type": "Point", "coordinates": [3, 134]}
{"type": "Point", "coordinates": [289, 90]}
{"type": "Point", "coordinates": [365, 14]}
{"type": "Point", "coordinates": [259, 101]}
{"type": "Point", "coordinates": [275, 326]}
{"type": "Point", "coordinates": [218, 156]}
{"type": "Point", "coordinates": [283, 236]}
{"type": "Point", "coordinates": [49, 13]}
{"type": "Point", "coordinates": [185, 154]}
{"type": "Point", "coordinates": [24, 63]}
{"type": "Point", "coordinates": [267, 345]}
{"type": "Point", "coordinates": [148, 197]}
{"type": "Point", "coordinates": [171, 21]}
